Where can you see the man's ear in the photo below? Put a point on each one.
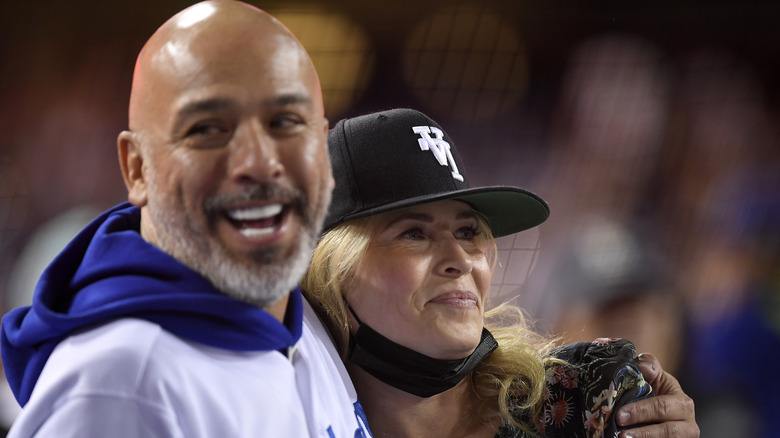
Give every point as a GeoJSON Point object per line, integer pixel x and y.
{"type": "Point", "coordinates": [325, 125]}
{"type": "Point", "coordinates": [331, 181]}
{"type": "Point", "coordinates": [131, 163]}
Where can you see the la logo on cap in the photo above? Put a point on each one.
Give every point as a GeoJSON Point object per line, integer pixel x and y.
{"type": "Point", "coordinates": [438, 146]}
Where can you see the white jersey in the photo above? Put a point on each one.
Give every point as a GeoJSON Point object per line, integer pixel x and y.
{"type": "Point", "coordinates": [130, 378]}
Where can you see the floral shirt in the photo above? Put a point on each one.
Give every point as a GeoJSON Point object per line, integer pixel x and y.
{"type": "Point", "coordinates": [582, 394]}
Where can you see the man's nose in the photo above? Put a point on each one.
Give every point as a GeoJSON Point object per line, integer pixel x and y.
{"type": "Point", "coordinates": [255, 154]}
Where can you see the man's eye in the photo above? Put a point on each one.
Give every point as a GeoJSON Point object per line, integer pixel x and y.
{"type": "Point", "coordinates": [205, 129]}
{"type": "Point", "coordinates": [286, 121]}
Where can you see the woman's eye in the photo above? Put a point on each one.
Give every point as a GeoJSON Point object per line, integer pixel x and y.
{"type": "Point", "coordinates": [468, 233]}
{"type": "Point", "coordinates": [413, 234]}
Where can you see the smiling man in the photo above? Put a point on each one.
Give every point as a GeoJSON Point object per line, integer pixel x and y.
{"type": "Point", "coordinates": [225, 153]}
{"type": "Point", "coordinates": [177, 314]}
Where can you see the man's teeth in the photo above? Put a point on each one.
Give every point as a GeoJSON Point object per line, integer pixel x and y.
{"type": "Point", "coordinates": [255, 222]}
{"type": "Point", "coordinates": [255, 213]}
{"type": "Point", "coordinates": [253, 233]}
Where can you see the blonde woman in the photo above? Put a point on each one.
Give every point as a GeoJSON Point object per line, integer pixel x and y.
{"type": "Point", "coordinates": [401, 278]}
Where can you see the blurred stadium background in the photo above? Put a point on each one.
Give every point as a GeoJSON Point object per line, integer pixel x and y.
{"type": "Point", "coordinates": [650, 127]}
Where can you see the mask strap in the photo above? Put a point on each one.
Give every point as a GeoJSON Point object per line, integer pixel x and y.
{"type": "Point", "coordinates": [352, 311]}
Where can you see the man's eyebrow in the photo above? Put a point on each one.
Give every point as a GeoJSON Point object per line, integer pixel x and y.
{"type": "Point", "coordinates": [287, 99]}
{"type": "Point", "coordinates": [201, 106]}
{"type": "Point", "coordinates": [195, 107]}
{"type": "Point", "coordinates": [221, 103]}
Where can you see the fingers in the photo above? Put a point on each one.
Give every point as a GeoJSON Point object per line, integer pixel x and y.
{"type": "Point", "coordinates": [674, 416]}
{"type": "Point", "coordinates": [671, 413]}
{"type": "Point", "coordinates": [659, 409]}
{"type": "Point", "coordinates": [662, 382]}
{"type": "Point", "coordinates": [671, 429]}
{"type": "Point", "coordinates": [649, 366]}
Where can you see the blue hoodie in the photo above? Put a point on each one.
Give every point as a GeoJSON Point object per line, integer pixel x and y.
{"type": "Point", "coordinates": [109, 271]}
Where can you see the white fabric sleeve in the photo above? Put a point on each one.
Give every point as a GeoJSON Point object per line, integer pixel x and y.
{"type": "Point", "coordinates": [103, 416]}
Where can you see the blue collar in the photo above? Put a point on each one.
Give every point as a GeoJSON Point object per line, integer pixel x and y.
{"type": "Point", "coordinates": [109, 271]}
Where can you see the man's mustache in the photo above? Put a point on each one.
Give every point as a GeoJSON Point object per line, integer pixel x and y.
{"type": "Point", "coordinates": [217, 204]}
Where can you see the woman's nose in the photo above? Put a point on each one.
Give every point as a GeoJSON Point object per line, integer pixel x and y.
{"type": "Point", "coordinates": [454, 260]}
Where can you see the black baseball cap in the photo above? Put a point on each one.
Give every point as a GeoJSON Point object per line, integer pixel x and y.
{"type": "Point", "coordinates": [400, 158]}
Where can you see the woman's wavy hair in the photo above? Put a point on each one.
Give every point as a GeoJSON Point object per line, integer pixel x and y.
{"type": "Point", "coordinates": [510, 383]}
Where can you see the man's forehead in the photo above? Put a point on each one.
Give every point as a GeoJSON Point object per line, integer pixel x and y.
{"type": "Point", "coordinates": [194, 15]}
{"type": "Point", "coordinates": [220, 13]}
{"type": "Point", "coordinates": [262, 49]}
{"type": "Point", "coordinates": [200, 58]}
{"type": "Point", "coordinates": [210, 26]}
{"type": "Point", "coordinates": [215, 50]}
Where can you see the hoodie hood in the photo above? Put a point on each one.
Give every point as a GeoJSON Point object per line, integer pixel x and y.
{"type": "Point", "coordinates": [109, 271]}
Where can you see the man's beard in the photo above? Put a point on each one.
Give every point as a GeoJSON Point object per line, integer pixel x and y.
{"type": "Point", "coordinates": [261, 278]}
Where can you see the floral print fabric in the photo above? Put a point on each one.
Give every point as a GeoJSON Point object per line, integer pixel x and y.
{"type": "Point", "coordinates": [584, 392]}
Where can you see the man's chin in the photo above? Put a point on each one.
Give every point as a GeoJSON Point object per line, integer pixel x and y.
{"type": "Point", "coordinates": [264, 281]}
{"type": "Point", "coordinates": [261, 289]}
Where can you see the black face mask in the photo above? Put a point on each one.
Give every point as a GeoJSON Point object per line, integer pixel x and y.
{"type": "Point", "coordinates": [408, 370]}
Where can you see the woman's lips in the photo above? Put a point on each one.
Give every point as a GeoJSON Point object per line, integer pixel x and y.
{"type": "Point", "coordinates": [456, 298]}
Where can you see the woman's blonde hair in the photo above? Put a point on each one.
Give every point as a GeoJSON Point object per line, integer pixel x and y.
{"type": "Point", "coordinates": [510, 383]}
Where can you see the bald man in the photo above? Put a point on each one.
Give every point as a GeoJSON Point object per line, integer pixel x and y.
{"type": "Point", "coordinates": [177, 314]}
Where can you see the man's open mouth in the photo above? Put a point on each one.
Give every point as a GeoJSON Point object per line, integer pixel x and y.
{"type": "Point", "coordinates": [257, 221]}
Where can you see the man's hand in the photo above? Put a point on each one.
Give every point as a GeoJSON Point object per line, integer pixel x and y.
{"type": "Point", "coordinates": [670, 414]}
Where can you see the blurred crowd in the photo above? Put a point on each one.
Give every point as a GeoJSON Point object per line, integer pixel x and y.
{"type": "Point", "coordinates": [663, 178]}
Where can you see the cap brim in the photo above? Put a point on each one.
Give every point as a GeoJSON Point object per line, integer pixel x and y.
{"type": "Point", "coordinates": [507, 209]}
